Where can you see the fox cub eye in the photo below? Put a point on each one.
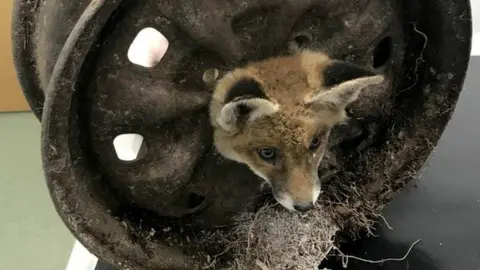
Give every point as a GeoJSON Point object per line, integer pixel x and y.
{"type": "Point", "coordinates": [267, 153]}
{"type": "Point", "coordinates": [314, 143]}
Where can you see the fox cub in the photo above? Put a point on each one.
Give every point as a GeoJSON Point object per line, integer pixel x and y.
{"type": "Point", "coordinates": [275, 116]}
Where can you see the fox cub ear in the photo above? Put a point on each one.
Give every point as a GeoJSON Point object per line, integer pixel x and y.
{"type": "Point", "coordinates": [245, 101]}
{"type": "Point", "coordinates": [343, 82]}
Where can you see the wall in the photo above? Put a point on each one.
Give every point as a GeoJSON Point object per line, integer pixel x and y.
{"type": "Point", "coordinates": [476, 27]}
{"type": "Point", "coordinates": [11, 97]}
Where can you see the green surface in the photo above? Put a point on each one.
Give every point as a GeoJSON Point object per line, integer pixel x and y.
{"type": "Point", "coordinates": [32, 236]}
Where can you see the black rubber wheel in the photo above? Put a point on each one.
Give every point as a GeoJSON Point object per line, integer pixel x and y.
{"type": "Point", "coordinates": [72, 64]}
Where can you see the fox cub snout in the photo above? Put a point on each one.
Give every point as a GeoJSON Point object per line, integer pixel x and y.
{"type": "Point", "coordinates": [275, 116]}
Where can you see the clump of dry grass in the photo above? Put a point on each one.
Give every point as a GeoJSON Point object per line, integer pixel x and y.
{"type": "Point", "coordinates": [274, 238]}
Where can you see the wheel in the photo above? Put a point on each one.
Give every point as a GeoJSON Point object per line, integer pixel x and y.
{"type": "Point", "coordinates": [137, 214]}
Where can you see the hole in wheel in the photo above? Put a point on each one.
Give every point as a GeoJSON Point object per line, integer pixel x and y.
{"type": "Point", "coordinates": [148, 48]}
{"type": "Point", "coordinates": [210, 75]}
{"type": "Point", "coordinates": [195, 200]}
{"type": "Point", "coordinates": [382, 52]}
{"type": "Point", "coordinates": [130, 147]}
{"type": "Point", "coordinates": [302, 40]}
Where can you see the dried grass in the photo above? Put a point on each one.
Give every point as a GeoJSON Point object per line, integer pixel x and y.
{"type": "Point", "coordinates": [276, 239]}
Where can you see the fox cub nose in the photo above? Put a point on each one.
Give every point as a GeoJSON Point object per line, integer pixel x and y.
{"type": "Point", "coordinates": [304, 207]}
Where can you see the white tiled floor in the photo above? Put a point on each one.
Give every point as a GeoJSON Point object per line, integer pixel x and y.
{"type": "Point", "coordinates": [81, 259]}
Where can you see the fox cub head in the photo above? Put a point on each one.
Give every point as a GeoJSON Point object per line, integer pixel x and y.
{"type": "Point", "coordinates": [275, 116]}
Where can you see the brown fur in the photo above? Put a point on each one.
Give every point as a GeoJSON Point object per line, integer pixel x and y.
{"type": "Point", "coordinates": [297, 109]}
